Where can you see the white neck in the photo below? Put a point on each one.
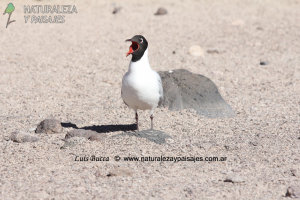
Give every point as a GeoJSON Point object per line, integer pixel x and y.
{"type": "Point", "coordinates": [141, 64]}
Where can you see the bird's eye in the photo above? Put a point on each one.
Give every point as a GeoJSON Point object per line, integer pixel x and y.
{"type": "Point", "coordinates": [141, 40]}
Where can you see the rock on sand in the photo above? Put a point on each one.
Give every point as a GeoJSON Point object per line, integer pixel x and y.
{"type": "Point", "coordinates": [21, 136]}
{"type": "Point", "coordinates": [49, 126]}
{"type": "Point", "coordinates": [185, 90]}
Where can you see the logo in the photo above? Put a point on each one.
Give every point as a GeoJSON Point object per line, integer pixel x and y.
{"type": "Point", "coordinates": [9, 10]}
{"type": "Point", "coordinates": [38, 14]}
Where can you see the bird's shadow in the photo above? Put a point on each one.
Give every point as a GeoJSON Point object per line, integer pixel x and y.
{"type": "Point", "coordinates": [155, 136]}
{"type": "Point", "coordinates": [102, 128]}
{"type": "Point", "coordinates": [152, 135]}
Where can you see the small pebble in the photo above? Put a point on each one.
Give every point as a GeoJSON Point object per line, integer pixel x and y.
{"type": "Point", "coordinates": [196, 51]}
{"type": "Point", "coordinates": [293, 192]}
{"type": "Point", "coordinates": [254, 143]}
{"type": "Point", "coordinates": [226, 147]}
{"type": "Point", "coordinates": [263, 62]}
{"type": "Point", "coordinates": [119, 172]}
{"type": "Point", "coordinates": [212, 51]}
{"type": "Point", "coordinates": [116, 10]}
{"type": "Point", "coordinates": [32, 129]}
{"type": "Point", "coordinates": [234, 178]}
{"type": "Point", "coordinates": [161, 11]}
{"type": "Point", "coordinates": [294, 173]}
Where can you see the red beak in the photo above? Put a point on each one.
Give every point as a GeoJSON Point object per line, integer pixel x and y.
{"type": "Point", "coordinates": [130, 51]}
{"type": "Point", "coordinates": [133, 47]}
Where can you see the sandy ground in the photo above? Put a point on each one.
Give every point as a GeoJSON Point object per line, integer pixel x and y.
{"type": "Point", "coordinates": [73, 71]}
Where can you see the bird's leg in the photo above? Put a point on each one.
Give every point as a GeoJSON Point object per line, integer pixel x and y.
{"type": "Point", "coordinates": [137, 120]}
{"type": "Point", "coordinates": [151, 117]}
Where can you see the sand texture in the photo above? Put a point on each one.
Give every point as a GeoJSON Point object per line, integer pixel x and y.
{"type": "Point", "coordinates": [72, 72]}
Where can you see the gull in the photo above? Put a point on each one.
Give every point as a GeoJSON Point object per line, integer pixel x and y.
{"type": "Point", "coordinates": [141, 86]}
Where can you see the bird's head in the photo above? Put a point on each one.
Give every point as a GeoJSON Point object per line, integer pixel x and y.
{"type": "Point", "coordinates": [138, 46]}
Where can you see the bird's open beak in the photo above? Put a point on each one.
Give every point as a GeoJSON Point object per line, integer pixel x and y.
{"type": "Point", "coordinates": [133, 47]}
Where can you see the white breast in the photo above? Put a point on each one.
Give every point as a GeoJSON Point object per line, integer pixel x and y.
{"type": "Point", "coordinates": [141, 86]}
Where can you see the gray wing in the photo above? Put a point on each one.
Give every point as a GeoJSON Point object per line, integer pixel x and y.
{"type": "Point", "coordinates": [161, 92]}
{"type": "Point", "coordinates": [123, 99]}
